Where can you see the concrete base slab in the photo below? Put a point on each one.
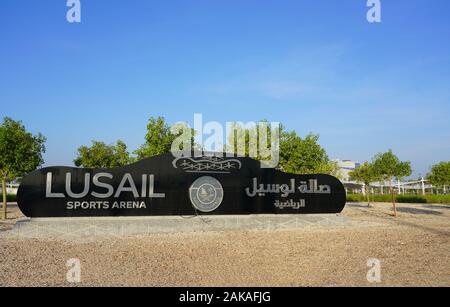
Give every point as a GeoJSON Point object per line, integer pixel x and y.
{"type": "Point", "coordinates": [85, 228]}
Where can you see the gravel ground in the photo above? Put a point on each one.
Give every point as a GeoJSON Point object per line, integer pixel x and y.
{"type": "Point", "coordinates": [414, 250]}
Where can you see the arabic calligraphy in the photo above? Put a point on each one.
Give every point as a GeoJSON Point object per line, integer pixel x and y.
{"type": "Point", "coordinates": [311, 187]}
{"type": "Point", "coordinates": [290, 204]}
{"type": "Point", "coordinates": [314, 188]}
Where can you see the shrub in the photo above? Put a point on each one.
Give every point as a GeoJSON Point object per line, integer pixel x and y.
{"type": "Point", "coordinates": [9, 198]}
{"type": "Point", "coordinates": [413, 199]}
{"type": "Point", "coordinates": [438, 199]}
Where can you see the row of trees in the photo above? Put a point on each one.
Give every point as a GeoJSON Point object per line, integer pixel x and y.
{"type": "Point", "coordinates": [158, 140]}
{"type": "Point", "coordinates": [100, 155]}
{"type": "Point", "coordinates": [386, 167]}
{"type": "Point", "coordinates": [297, 155]}
{"type": "Point", "coordinates": [21, 152]}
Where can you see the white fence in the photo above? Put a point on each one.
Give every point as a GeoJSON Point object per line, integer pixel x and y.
{"type": "Point", "coordinates": [420, 186]}
{"type": "Point", "coordinates": [11, 188]}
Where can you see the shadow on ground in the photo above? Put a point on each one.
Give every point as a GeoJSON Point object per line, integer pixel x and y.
{"type": "Point", "coordinates": [418, 211]}
{"type": "Point", "coordinates": [430, 206]}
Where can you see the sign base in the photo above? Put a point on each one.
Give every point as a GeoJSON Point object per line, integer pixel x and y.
{"type": "Point", "coordinates": [91, 228]}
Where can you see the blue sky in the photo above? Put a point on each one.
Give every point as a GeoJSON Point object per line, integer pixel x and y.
{"type": "Point", "coordinates": [316, 66]}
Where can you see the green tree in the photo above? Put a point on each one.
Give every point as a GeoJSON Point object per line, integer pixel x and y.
{"type": "Point", "coordinates": [440, 175]}
{"type": "Point", "coordinates": [304, 156]}
{"type": "Point", "coordinates": [20, 153]}
{"type": "Point", "coordinates": [365, 174]}
{"type": "Point", "coordinates": [241, 139]}
{"type": "Point", "coordinates": [297, 155]}
{"type": "Point", "coordinates": [101, 155]}
{"type": "Point", "coordinates": [159, 138]}
{"type": "Point", "coordinates": [389, 166]}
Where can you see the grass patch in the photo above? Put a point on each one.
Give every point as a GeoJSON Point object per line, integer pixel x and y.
{"type": "Point", "coordinates": [412, 199]}
{"type": "Point", "coordinates": [9, 198]}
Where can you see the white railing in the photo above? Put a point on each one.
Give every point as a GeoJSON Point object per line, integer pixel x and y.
{"type": "Point", "coordinates": [418, 185]}
{"type": "Point", "coordinates": [11, 188]}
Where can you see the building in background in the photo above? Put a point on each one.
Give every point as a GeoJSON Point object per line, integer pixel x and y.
{"type": "Point", "coordinates": [345, 167]}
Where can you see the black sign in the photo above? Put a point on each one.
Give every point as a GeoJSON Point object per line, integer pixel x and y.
{"type": "Point", "coordinates": [164, 185]}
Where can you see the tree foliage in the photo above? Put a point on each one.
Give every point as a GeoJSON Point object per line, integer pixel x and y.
{"type": "Point", "coordinates": [388, 166]}
{"type": "Point", "coordinates": [160, 136]}
{"type": "Point", "coordinates": [297, 155]}
{"type": "Point", "coordinates": [101, 155]}
{"type": "Point", "coordinates": [304, 155]}
{"type": "Point", "coordinates": [20, 152]}
{"type": "Point", "coordinates": [440, 174]}
{"type": "Point", "coordinates": [245, 140]}
{"type": "Point", "coordinates": [158, 139]}
{"type": "Point", "coordinates": [365, 174]}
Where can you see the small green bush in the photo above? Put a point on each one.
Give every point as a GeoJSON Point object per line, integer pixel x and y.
{"type": "Point", "coordinates": [9, 198]}
{"type": "Point", "coordinates": [386, 198]}
{"type": "Point", "coordinates": [412, 199]}
{"type": "Point", "coordinates": [438, 199]}
{"type": "Point", "coordinates": [355, 198]}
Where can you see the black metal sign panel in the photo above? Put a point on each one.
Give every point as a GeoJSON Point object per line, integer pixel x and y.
{"type": "Point", "coordinates": [164, 185]}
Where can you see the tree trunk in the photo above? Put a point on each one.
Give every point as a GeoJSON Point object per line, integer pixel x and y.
{"type": "Point", "coordinates": [368, 195]}
{"type": "Point", "coordinates": [393, 200]}
{"type": "Point", "coordinates": [4, 212]}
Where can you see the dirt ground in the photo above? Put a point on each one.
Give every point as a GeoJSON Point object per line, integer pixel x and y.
{"type": "Point", "coordinates": [414, 250]}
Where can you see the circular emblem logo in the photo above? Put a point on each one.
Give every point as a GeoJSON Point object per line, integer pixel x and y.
{"type": "Point", "coordinates": [206, 194]}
